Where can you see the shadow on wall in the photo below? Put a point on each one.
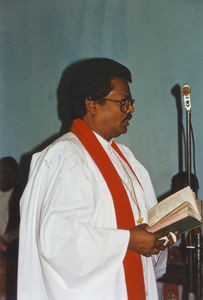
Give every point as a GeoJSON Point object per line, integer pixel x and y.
{"type": "Point", "coordinates": [63, 101]}
{"type": "Point", "coordinates": [11, 258]}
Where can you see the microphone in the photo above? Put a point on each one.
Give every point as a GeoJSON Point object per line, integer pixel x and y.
{"type": "Point", "coordinates": [186, 90]}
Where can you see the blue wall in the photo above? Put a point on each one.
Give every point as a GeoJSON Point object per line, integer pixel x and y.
{"type": "Point", "coordinates": [160, 41]}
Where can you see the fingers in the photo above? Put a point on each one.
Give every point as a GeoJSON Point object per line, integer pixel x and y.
{"type": "Point", "coordinates": [147, 243]}
{"type": "Point", "coordinates": [158, 246]}
{"type": "Point", "coordinates": [161, 234]}
{"type": "Point", "coordinates": [176, 233]}
{"type": "Point", "coordinates": [154, 251]}
{"type": "Point", "coordinates": [161, 244]}
{"type": "Point", "coordinates": [165, 240]}
{"type": "Point", "coordinates": [172, 238]}
{"type": "Point", "coordinates": [169, 239]}
{"type": "Point", "coordinates": [144, 226]}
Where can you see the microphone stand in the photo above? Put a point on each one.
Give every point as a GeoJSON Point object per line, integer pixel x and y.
{"type": "Point", "coordinates": [191, 247]}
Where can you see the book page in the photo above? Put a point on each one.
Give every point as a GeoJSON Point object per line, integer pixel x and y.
{"type": "Point", "coordinates": [180, 214]}
{"type": "Point", "coordinates": [180, 208]}
{"type": "Point", "coordinates": [170, 203]}
{"type": "Point", "coordinates": [183, 221]}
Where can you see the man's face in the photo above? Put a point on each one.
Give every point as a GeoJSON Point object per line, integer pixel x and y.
{"type": "Point", "coordinates": [109, 120]}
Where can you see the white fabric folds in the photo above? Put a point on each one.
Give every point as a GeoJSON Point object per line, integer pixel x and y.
{"type": "Point", "coordinates": [70, 247]}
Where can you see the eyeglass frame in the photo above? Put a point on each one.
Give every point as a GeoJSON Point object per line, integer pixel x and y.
{"type": "Point", "coordinates": [122, 102]}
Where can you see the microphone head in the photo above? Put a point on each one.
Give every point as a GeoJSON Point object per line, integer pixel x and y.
{"type": "Point", "coordinates": [185, 90]}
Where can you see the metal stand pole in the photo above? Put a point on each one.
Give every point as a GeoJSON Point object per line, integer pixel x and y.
{"type": "Point", "coordinates": [190, 247]}
{"type": "Point", "coordinates": [188, 129]}
{"type": "Point", "coordinates": [198, 266]}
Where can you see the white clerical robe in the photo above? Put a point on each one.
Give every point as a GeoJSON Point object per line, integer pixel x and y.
{"type": "Point", "coordinates": [70, 247]}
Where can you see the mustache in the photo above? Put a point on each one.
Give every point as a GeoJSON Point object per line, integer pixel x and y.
{"type": "Point", "coordinates": [128, 117]}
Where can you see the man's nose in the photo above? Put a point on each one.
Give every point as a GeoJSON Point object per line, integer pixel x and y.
{"type": "Point", "coordinates": [131, 108]}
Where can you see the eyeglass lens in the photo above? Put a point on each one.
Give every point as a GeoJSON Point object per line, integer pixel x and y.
{"type": "Point", "coordinates": [126, 104]}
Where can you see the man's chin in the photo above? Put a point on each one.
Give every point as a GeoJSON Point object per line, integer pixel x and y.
{"type": "Point", "coordinates": [124, 129]}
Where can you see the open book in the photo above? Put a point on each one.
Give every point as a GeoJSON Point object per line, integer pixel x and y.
{"type": "Point", "coordinates": [178, 212]}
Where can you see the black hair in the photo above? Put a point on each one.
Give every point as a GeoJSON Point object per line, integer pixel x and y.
{"type": "Point", "coordinates": [88, 78]}
{"type": "Point", "coordinates": [11, 162]}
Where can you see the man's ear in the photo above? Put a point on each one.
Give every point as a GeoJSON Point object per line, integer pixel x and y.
{"type": "Point", "coordinates": [90, 106]}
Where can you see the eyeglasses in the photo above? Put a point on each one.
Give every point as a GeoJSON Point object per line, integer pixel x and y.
{"type": "Point", "coordinates": [124, 103]}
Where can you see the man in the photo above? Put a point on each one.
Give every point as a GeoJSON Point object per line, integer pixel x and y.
{"type": "Point", "coordinates": [83, 232]}
{"type": "Point", "coordinates": [9, 218]}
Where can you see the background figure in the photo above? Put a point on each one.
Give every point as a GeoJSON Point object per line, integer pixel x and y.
{"type": "Point", "coordinates": [9, 221]}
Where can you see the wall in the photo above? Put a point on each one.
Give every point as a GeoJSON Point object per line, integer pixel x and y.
{"type": "Point", "coordinates": [160, 41]}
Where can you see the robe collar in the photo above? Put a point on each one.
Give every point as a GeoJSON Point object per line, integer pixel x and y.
{"type": "Point", "coordinates": [105, 144]}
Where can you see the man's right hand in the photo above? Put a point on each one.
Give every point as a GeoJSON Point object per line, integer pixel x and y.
{"type": "Point", "coordinates": [147, 243]}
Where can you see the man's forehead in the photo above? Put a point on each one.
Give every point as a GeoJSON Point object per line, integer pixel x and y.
{"type": "Point", "coordinates": [120, 85]}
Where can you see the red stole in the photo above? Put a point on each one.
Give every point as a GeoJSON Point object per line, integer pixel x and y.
{"type": "Point", "coordinates": [124, 215]}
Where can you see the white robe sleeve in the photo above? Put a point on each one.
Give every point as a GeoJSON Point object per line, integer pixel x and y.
{"type": "Point", "coordinates": [71, 247]}
{"type": "Point", "coordinates": [159, 262]}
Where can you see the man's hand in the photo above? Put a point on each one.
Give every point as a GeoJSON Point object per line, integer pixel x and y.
{"type": "Point", "coordinates": [147, 243]}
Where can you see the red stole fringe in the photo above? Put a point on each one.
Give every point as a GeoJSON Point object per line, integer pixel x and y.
{"type": "Point", "coordinates": [124, 215]}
